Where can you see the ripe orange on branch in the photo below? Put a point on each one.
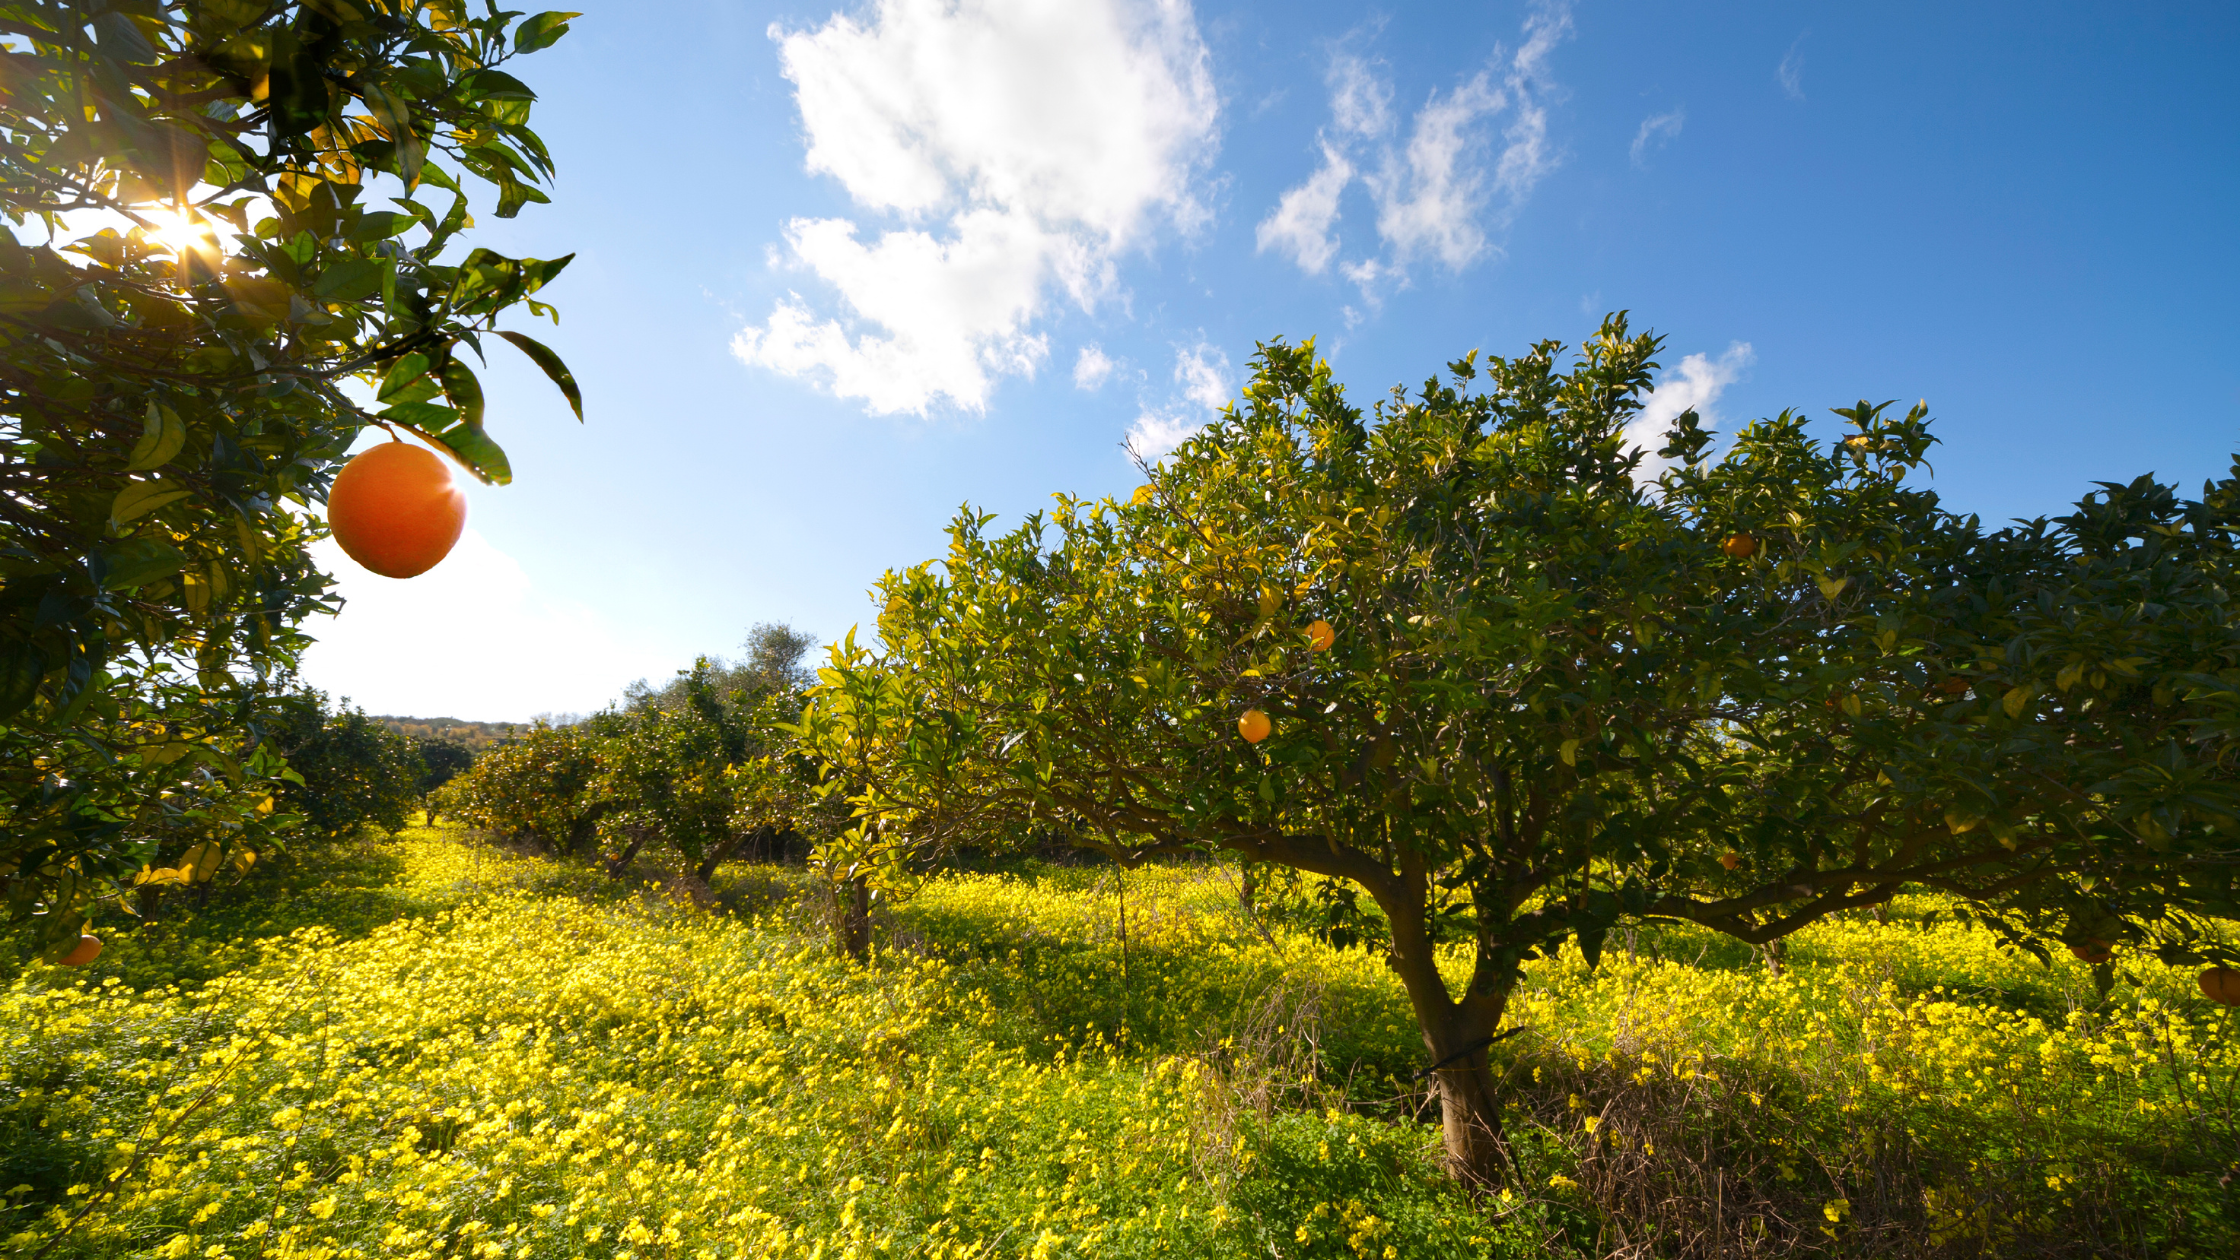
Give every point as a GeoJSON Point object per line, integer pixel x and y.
{"type": "Point", "coordinates": [395, 509]}
{"type": "Point", "coordinates": [1254, 726]}
{"type": "Point", "coordinates": [87, 949]}
{"type": "Point", "coordinates": [1730, 859]}
{"type": "Point", "coordinates": [1320, 636]}
{"type": "Point", "coordinates": [2221, 985]}
{"type": "Point", "coordinates": [2092, 950]}
{"type": "Point", "coordinates": [1740, 546]}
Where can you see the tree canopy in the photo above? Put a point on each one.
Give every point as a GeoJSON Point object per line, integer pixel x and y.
{"type": "Point", "coordinates": [236, 243]}
{"type": "Point", "coordinates": [1570, 686]}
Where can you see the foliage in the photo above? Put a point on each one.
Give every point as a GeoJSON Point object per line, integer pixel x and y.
{"type": "Point", "coordinates": [704, 766]}
{"type": "Point", "coordinates": [175, 364]}
{"type": "Point", "coordinates": [1563, 690]}
{"type": "Point", "coordinates": [442, 760]}
{"type": "Point", "coordinates": [537, 789]}
{"type": "Point", "coordinates": [527, 1065]}
{"type": "Point", "coordinates": [350, 769]}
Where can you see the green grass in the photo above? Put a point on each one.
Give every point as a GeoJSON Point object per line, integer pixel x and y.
{"type": "Point", "coordinates": [420, 1047]}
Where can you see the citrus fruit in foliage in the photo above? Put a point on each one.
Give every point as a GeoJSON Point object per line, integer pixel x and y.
{"type": "Point", "coordinates": [2092, 950]}
{"type": "Point", "coordinates": [1730, 859]}
{"type": "Point", "coordinates": [395, 509]}
{"type": "Point", "coordinates": [1320, 636]}
{"type": "Point", "coordinates": [2221, 985]}
{"type": "Point", "coordinates": [1254, 726]}
{"type": "Point", "coordinates": [87, 949]}
{"type": "Point", "coordinates": [1740, 546]}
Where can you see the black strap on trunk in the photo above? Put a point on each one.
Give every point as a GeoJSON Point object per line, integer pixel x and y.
{"type": "Point", "coordinates": [1470, 1049]}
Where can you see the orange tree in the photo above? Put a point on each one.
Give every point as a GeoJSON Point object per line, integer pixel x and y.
{"type": "Point", "coordinates": [226, 214]}
{"type": "Point", "coordinates": [538, 789]}
{"type": "Point", "coordinates": [1748, 692]}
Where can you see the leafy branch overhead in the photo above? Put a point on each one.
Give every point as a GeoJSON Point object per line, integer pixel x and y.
{"type": "Point", "coordinates": [239, 240]}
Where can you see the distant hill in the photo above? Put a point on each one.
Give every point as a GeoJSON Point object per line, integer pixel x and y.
{"type": "Point", "coordinates": [475, 735]}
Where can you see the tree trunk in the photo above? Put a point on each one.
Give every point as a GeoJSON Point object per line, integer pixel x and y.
{"type": "Point", "coordinates": [1470, 1119]}
{"type": "Point", "coordinates": [724, 853]}
{"type": "Point", "coordinates": [853, 922]}
{"type": "Point", "coordinates": [1457, 1034]}
{"type": "Point", "coordinates": [621, 862]}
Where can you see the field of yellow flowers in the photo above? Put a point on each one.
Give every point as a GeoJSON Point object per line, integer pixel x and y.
{"type": "Point", "coordinates": [424, 1047]}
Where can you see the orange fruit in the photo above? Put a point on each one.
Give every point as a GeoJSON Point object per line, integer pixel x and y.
{"type": "Point", "coordinates": [2221, 985]}
{"type": "Point", "coordinates": [87, 949]}
{"type": "Point", "coordinates": [395, 509]}
{"type": "Point", "coordinates": [1320, 636]}
{"type": "Point", "coordinates": [1254, 726]}
{"type": "Point", "coordinates": [2092, 950]}
{"type": "Point", "coordinates": [1730, 859]}
{"type": "Point", "coordinates": [1740, 546]}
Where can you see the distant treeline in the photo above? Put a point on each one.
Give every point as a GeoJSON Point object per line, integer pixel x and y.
{"type": "Point", "coordinates": [477, 736]}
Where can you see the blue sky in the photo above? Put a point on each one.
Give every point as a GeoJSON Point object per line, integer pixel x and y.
{"type": "Point", "coordinates": [841, 270]}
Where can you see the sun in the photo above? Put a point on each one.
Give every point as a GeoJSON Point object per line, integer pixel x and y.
{"type": "Point", "coordinates": [180, 230]}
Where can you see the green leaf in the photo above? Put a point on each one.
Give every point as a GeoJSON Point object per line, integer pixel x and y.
{"type": "Point", "coordinates": [474, 449]}
{"type": "Point", "coordinates": [424, 416]}
{"type": "Point", "coordinates": [348, 280]}
{"type": "Point", "coordinates": [161, 438]}
{"type": "Point", "coordinates": [21, 668]}
{"type": "Point", "coordinates": [401, 374]}
{"type": "Point", "coordinates": [121, 39]}
{"type": "Point", "coordinates": [464, 391]}
{"type": "Point", "coordinates": [558, 371]}
{"type": "Point", "coordinates": [142, 497]}
{"type": "Point", "coordinates": [496, 85]}
{"type": "Point", "coordinates": [541, 31]}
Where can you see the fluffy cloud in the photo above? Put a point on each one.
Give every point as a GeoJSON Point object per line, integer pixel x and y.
{"type": "Point", "coordinates": [1092, 368]}
{"type": "Point", "coordinates": [540, 654]}
{"type": "Point", "coordinates": [1658, 130]}
{"type": "Point", "coordinates": [1205, 383]}
{"type": "Point", "coordinates": [1436, 194]}
{"type": "Point", "coordinates": [1300, 224]}
{"type": "Point", "coordinates": [1695, 385]}
{"type": "Point", "coordinates": [1021, 144]}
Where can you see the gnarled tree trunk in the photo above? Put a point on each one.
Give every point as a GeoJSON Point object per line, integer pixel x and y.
{"type": "Point", "coordinates": [1456, 1032]}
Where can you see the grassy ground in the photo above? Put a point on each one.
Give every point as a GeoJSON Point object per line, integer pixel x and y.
{"type": "Point", "coordinates": [424, 1047]}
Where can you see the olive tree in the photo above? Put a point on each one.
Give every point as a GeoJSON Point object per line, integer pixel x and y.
{"type": "Point", "coordinates": [1567, 687]}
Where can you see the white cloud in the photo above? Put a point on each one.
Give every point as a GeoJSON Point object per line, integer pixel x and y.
{"type": "Point", "coordinates": [1156, 433]}
{"type": "Point", "coordinates": [1203, 373]}
{"type": "Point", "coordinates": [1023, 144]}
{"type": "Point", "coordinates": [1360, 102]}
{"type": "Point", "coordinates": [1430, 203]}
{"type": "Point", "coordinates": [1695, 385]}
{"type": "Point", "coordinates": [1299, 226]}
{"type": "Point", "coordinates": [1791, 71]}
{"type": "Point", "coordinates": [1092, 367]}
{"type": "Point", "coordinates": [1437, 194]}
{"type": "Point", "coordinates": [536, 654]}
{"type": "Point", "coordinates": [1659, 130]}
{"type": "Point", "coordinates": [1205, 379]}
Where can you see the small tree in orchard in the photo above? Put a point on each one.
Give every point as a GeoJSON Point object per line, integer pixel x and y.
{"type": "Point", "coordinates": [224, 215]}
{"type": "Point", "coordinates": [538, 789]}
{"type": "Point", "coordinates": [1473, 655]}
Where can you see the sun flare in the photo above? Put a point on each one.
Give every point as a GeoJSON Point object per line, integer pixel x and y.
{"type": "Point", "coordinates": [181, 231]}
